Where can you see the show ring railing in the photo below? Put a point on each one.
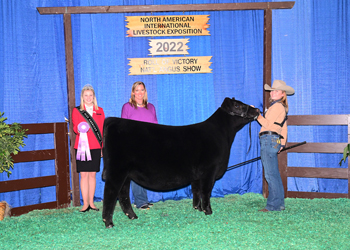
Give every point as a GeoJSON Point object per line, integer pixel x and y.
{"type": "Point", "coordinates": [312, 147]}
{"type": "Point", "coordinates": [60, 153]}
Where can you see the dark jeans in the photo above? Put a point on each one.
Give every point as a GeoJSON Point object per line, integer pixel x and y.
{"type": "Point", "coordinates": [270, 145]}
{"type": "Point", "coordinates": [140, 195]}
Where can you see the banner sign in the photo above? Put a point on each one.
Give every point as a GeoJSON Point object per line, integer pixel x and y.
{"type": "Point", "coordinates": [168, 47]}
{"type": "Point", "coordinates": [169, 65]}
{"type": "Point", "coordinates": [187, 25]}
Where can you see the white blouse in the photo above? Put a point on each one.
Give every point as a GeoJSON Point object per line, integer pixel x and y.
{"type": "Point", "coordinates": [90, 110]}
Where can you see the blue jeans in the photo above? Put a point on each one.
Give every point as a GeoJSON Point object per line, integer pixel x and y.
{"type": "Point", "coordinates": [140, 195]}
{"type": "Point", "coordinates": [269, 146]}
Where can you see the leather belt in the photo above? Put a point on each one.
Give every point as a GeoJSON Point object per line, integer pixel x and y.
{"type": "Point", "coordinates": [270, 133]}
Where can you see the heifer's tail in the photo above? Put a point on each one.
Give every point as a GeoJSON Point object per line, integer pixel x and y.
{"type": "Point", "coordinates": [107, 121]}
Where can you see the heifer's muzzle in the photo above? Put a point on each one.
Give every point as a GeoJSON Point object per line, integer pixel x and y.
{"type": "Point", "coordinates": [244, 113]}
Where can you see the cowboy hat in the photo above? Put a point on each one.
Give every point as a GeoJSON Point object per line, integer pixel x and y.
{"type": "Point", "coordinates": [280, 85]}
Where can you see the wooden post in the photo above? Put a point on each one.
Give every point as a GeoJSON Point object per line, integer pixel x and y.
{"type": "Point", "coordinates": [282, 165]}
{"type": "Point", "coordinates": [267, 69]}
{"type": "Point", "coordinates": [71, 104]}
{"type": "Point", "coordinates": [62, 165]}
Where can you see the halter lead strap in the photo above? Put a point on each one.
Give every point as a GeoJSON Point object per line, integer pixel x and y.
{"type": "Point", "coordinates": [282, 123]}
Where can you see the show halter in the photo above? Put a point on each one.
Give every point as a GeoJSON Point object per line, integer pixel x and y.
{"type": "Point", "coordinates": [243, 114]}
{"type": "Point", "coordinates": [83, 146]}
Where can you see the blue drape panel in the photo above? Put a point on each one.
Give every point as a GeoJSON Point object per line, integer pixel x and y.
{"type": "Point", "coordinates": [310, 52]}
{"type": "Point", "coordinates": [33, 86]}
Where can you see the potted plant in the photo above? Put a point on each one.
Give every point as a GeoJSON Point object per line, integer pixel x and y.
{"type": "Point", "coordinates": [345, 154]}
{"type": "Point", "coordinates": [11, 138]}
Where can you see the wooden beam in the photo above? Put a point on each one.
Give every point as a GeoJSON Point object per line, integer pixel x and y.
{"type": "Point", "coordinates": [318, 147]}
{"type": "Point", "coordinates": [16, 211]}
{"type": "Point", "coordinates": [308, 172]}
{"type": "Point", "coordinates": [28, 183]}
{"type": "Point", "coordinates": [39, 128]}
{"type": "Point", "coordinates": [164, 8]}
{"type": "Point", "coordinates": [302, 120]}
{"type": "Point", "coordinates": [62, 165]}
{"type": "Point", "coordinates": [314, 195]}
{"type": "Point", "coordinates": [67, 21]}
{"type": "Point", "coordinates": [267, 69]}
{"type": "Point", "coordinates": [282, 166]}
{"type": "Point", "coordinates": [37, 155]}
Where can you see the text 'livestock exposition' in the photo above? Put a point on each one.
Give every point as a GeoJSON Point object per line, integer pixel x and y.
{"type": "Point", "coordinates": [195, 25]}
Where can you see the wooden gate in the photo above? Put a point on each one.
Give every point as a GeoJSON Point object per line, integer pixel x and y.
{"type": "Point", "coordinates": [61, 179]}
{"type": "Point", "coordinates": [310, 147]}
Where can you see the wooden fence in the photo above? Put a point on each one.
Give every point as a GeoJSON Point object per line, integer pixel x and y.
{"type": "Point", "coordinates": [61, 179]}
{"type": "Point", "coordinates": [310, 147]}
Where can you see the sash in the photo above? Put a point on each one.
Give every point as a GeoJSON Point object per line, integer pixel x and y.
{"type": "Point", "coordinates": [88, 118]}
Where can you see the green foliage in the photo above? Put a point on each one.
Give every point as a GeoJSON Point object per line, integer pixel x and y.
{"type": "Point", "coordinates": [346, 154]}
{"type": "Point", "coordinates": [11, 138]}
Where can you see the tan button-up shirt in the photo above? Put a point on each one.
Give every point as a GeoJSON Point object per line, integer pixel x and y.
{"type": "Point", "coordinates": [276, 113]}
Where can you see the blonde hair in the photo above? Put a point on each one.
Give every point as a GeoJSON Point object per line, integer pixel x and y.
{"type": "Point", "coordinates": [85, 88]}
{"type": "Point", "coordinates": [283, 101]}
{"type": "Point", "coordinates": [132, 100]}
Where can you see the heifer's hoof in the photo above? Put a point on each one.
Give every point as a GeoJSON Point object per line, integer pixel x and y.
{"type": "Point", "coordinates": [109, 225]}
{"type": "Point", "coordinates": [207, 212]}
{"type": "Point", "coordinates": [198, 208]}
{"type": "Point", "coordinates": [131, 217]}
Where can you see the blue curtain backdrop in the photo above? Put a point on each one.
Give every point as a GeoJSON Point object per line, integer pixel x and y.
{"type": "Point", "coordinates": [310, 53]}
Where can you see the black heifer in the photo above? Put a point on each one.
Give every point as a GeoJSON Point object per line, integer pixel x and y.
{"type": "Point", "coordinates": [163, 158]}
